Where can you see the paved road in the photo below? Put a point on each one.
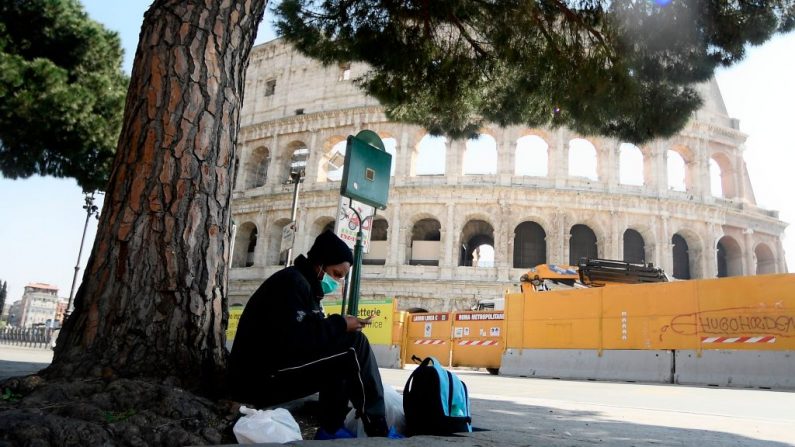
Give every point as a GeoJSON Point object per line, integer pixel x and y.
{"type": "Point", "coordinates": [18, 361]}
{"type": "Point", "coordinates": [521, 411]}
{"type": "Point", "coordinates": [587, 413]}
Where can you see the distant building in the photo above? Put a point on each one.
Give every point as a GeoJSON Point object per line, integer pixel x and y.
{"type": "Point", "coordinates": [38, 305]}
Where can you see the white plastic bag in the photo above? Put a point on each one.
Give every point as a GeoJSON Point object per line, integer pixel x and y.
{"type": "Point", "coordinates": [258, 426]}
{"type": "Point", "coordinates": [394, 414]}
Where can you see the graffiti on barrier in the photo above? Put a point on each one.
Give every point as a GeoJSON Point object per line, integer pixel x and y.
{"type": "Point", "coordinates": [734, 321]}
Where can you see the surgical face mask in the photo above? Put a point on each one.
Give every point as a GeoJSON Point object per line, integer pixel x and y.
{"type": "Point", "coordinates": [328, 284]}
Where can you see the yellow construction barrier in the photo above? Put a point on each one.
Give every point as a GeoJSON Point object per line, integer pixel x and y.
{"type": "Point", "coordinates": [478, 339]}
{"type": "Point", "coordinates": [428, 334]}
{"type": "Point", "coordinates": [740, 313]}
{"type": "Point", "coordinates": [235, 311]}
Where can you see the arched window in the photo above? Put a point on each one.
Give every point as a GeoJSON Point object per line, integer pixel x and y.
{"type": "Point", "coordinates": [582, 159]}
{"type": "Point", "coordinates": [529, 245]}
{"type": "Point", "coordinates": [245, 245]}
{"type": "Point", "coordinates": [676, 171]}
{"type": "Point", "coordinates": [252, 244]}
{"type": "Point", "coordinates": [277, 255]}
{"type": "Point", "coordinates": [681, 257]}
{"type": "Point", "coordinates": [730, 257]}
{"type": "Point", "coordinates": [477, 244]}
{"type": "Point", "coordinates": [378, 243]}
{"type": "Point", "coordinates": [390, 144]}
{"type": "Point", "coordinates": [715, 179]}
{"type": "Point", "coordinates": [430, 156]}
{"type": "Point", "coordinates": [634, 247]}
{"type": "Point", "coordinates": [257, 168]}
{"type": "Point", "coordinates": [426, 238]}
{"type": "Point", "coordinates": [480, 156]}
{"type": "Point", "coordinates": [630, 165]}
{"type": "Point", "coordinates": [765, 260]}
{"type": "Point", "coordinates": [582, 244]}
{"type": "Point", "coordinates": [532, 156]}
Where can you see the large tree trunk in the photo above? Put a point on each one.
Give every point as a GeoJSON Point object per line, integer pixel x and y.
{"type": "Point", "coordinates": [153, 298]}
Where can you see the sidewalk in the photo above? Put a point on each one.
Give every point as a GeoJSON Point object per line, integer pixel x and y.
{"type": "Point", "coordinates": [519, 421]}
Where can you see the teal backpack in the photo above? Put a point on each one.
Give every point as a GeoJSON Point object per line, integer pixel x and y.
{"type": "Point", "coordinates": [435, 401]}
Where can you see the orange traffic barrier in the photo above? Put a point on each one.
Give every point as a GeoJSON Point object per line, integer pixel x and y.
{"type": "Point", "coordinates": [428, 334]}
{"type": "Point", "coordinates": [478, 339]}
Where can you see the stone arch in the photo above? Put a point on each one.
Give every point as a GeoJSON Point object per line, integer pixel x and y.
{"type": "Point", "coordinates": [429, 156]}
{"type": "Point", "coordinates": [583, 159]}
{"type": "Point", "coordinates": [583, 243]}
{"type": "Point", "coordinates": [379, 235]}
{"type": "Point", "coordinates": [634, 247]}
{"type": "Point", "coordinates": [245, 245]}
{"type": "Point", "coordinates": [721, 176]}
{"type": "Point", "coordinates": [730, 257]}
{"type": "Point", "coordinates": [275, 254]}
{"type": "Point", "coordinates": [298, 155]}
{"type": "Point", "coordinates": [678, 161]}
{"type": "Point", "coordinates": [530, 245]}
{"type": "Point", "coordinates": [322, 224]}
{"type": "Point", "coordinates": [765, 259]}
{"type": "Point", "coordinates": [475, 234]}
{"type": "Point", "coordinates": [532, 156]}
{"type": "Point", "coordinates": [256, 173]}
{"type": "Point", "coordinates": [715, 174]}
{"type": "Point", "coordinates": [687, 251]}
{"type": "Point", "coordinates": [425, 244]}
{"type": "Point", "coordinates": [480, 155]}
{"type": "Point", "coordinates": [681, 257]}
{"type": "Point", "coordinates": [631, 165]}
{"type": "Point", "coordinates": [380, 230]}
{"type": "Point", "coordinates": [331, 162]}
{"type": "Point", "coordinates": [390, 144]}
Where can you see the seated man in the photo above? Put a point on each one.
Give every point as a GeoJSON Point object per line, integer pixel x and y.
{"type": "Point", "coordinates": [285, 348]}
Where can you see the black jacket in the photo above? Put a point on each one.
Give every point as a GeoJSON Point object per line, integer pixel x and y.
{"type": "Point", "coordinates": [282, 325]}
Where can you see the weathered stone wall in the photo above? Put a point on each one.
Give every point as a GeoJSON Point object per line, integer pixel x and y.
{"type": "Point", "coordinates": [330, 108]}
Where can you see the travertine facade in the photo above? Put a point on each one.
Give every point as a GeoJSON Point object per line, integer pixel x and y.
{"type": "Point", "coordinates": [425, 241]}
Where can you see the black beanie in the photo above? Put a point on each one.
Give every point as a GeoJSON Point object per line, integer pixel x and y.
{"type": "Point", "coordinates": [329, 249]}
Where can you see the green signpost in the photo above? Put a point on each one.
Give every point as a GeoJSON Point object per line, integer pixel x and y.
{"type": "Point", "coordinates": [365, 178]}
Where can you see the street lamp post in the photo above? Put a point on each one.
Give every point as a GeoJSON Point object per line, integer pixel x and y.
{"type": "Point", "coordinates": [296, 178]}
{"type": "Point", "coordinates": [297, 169]}
{"type": "Point", "coordinates": [91, 210]}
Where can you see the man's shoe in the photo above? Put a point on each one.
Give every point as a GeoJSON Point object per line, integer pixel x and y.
{"type": "Point", "coordinates": [342, 433]}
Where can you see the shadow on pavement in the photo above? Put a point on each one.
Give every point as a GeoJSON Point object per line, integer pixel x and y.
{"type": "Point", "coordinates": [10, 368]}
{"type": "Point", "coordinates": [510, 423]}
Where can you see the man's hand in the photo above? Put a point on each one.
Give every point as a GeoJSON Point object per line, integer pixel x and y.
{"type": "Point", "coordinates": [355, 324]}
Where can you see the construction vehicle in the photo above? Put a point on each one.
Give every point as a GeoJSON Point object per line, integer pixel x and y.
{"type": "Point", "coordinates": [589, 272]}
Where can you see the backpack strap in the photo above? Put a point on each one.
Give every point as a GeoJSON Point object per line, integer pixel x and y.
{"type": "Point", "coordinates": [411, 377]}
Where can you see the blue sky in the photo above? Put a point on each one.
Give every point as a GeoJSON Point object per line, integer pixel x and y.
{"type": "Point", "coordinates": [41, 219]}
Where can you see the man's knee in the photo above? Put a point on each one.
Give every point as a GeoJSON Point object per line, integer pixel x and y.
{"type": "Point", "coordinates": [357, 339]}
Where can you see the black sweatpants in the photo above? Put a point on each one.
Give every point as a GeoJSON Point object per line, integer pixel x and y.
{"type": "Point", "coordinates": [345, 371]}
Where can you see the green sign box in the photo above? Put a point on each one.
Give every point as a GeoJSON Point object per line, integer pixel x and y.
{"type": "Point", "coordinates": [365, 177]}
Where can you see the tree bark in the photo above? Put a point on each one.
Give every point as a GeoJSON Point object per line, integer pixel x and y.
{"type": "Point", "coordinates": [153, 298]}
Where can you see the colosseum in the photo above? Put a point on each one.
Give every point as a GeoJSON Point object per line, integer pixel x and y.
{"type": "Point", "coordinates": [466, 218]}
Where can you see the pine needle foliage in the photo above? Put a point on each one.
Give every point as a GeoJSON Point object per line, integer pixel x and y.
{"type": "Point", "coordinates": [62, 90]}
{"type": "Point", "coordinates": [624, 69]}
